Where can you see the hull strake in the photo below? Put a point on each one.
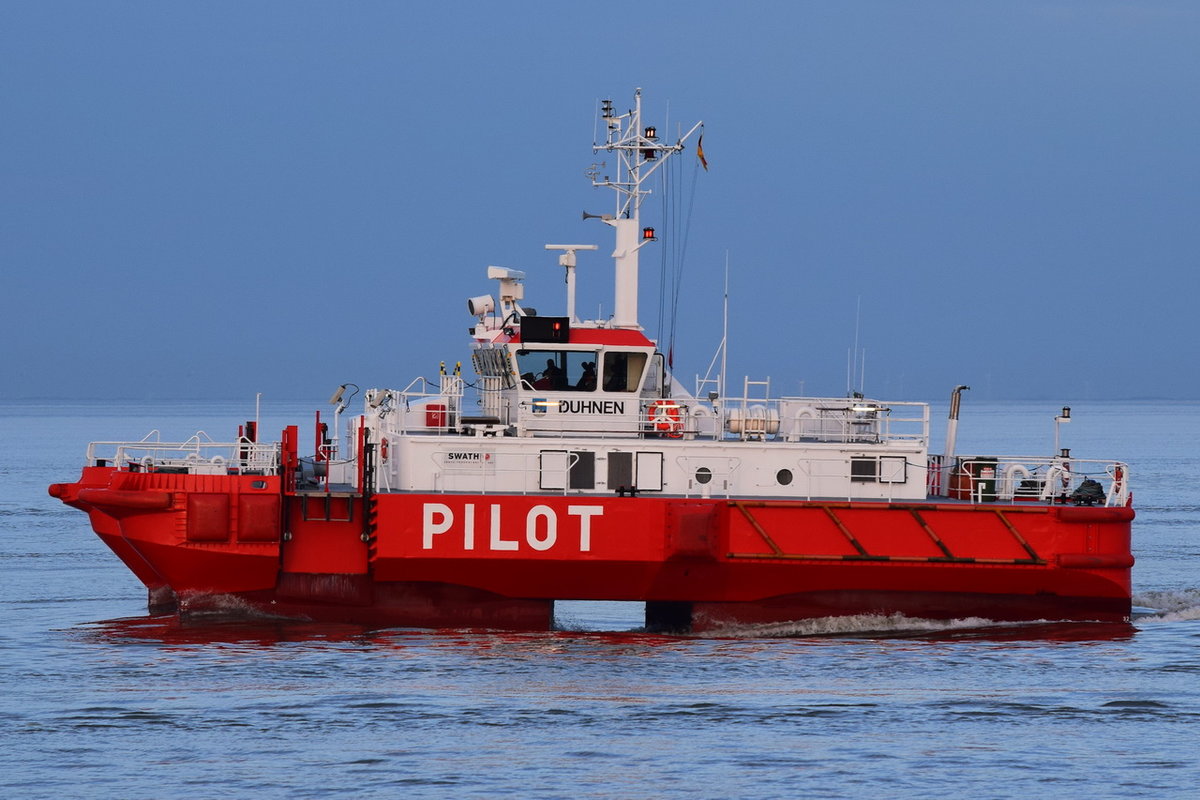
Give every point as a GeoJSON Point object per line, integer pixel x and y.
{"type": "Point", "coordinates": [501, 561]}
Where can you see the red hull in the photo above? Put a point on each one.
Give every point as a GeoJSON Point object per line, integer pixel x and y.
{"type": "Point", "coordinates": [438, 560]}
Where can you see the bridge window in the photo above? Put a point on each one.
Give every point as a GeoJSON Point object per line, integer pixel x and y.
{"type": "Point", "coordinates": [623, 371]}
{"type": "Point", "coordinates": [558, 370]}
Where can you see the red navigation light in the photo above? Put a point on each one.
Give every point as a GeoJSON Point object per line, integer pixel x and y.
{"type": "Point", "coordinates": [648, 235]}
{"type": "Point", "coordinates": [545, 329]}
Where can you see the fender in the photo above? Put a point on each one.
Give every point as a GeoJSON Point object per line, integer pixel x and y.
{"type": "Point", "coordinates": [119, 498]}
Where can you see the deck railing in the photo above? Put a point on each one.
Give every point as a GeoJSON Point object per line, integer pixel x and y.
{"type": "Point", "coordinates": [1031, 479]}
{"type": "Point", "coordinates": [199, 455]}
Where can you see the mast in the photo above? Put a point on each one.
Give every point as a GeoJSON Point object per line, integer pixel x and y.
{"type": "Point", "coordinates": [567, 259]}
{"type": "Point", "coordinates": [724, 328]}
{"type": "Point", "coordinates": [639, 154]}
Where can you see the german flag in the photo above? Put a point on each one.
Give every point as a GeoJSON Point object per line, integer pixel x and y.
{"type": "Point", "coordinates": [700, 152]}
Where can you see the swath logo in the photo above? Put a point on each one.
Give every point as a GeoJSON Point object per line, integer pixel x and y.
{"type": "Point", "coordinates": [470, 460]}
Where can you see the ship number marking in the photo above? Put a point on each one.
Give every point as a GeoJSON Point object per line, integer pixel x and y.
{"type": "Point", "coordinates": [541, 526]}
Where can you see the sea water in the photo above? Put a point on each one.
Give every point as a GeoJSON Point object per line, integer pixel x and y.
{"type": "Point", "coordinates": [102, 700]}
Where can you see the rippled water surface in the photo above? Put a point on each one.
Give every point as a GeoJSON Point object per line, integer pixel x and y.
{"type": "Point", "coordinates": [101, 700]}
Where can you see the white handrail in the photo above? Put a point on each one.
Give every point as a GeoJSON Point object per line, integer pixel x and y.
{"type": "Point", "coordinates": [199, 454]}
{"type": "Point", "coordinates": [1044, 479]}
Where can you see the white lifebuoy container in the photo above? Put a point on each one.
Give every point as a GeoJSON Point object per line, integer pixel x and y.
{"type": "Point", "coordinates": [1012, 477]}
{"type": "Point", "coordinates": [1058, 478]}
{"type": "Point", "coordinates": [664, 416]}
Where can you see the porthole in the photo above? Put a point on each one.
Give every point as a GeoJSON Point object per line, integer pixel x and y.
{"type": "Point", "coordinates": [784, 476]}
{"type": "Point", "coordinates": [258, 484]}
{"type": "Point", "coordinates": [703, 475]}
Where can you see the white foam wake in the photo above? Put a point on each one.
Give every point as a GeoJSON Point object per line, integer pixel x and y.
{"type": "Point", "coordinates": [855, 625]}
{"type": "Point", "coordinates": [1172, 605]}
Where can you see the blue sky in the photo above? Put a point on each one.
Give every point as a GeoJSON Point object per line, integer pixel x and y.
{"type": "Point", "coordinates": [209, 200]}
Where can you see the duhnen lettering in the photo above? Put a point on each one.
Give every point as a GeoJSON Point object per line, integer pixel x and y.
{"type": "Point", "coordinates": [591, 406]}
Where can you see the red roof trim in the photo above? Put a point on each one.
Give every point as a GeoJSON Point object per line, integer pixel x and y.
{"type": "Point", "coordinates": [619, 337]}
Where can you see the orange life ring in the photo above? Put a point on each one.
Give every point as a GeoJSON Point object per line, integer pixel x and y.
{"type": "Point", "coordinates": [664, 416]}
{"type": "Point", "coordinates": [383, 448]}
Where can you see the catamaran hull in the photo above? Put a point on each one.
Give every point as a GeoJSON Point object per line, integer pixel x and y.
{"type": "Point", "coordinates": [500, 561]}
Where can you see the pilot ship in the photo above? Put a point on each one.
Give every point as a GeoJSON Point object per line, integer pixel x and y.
{"type": "Point", "coordinates": [576, 466]}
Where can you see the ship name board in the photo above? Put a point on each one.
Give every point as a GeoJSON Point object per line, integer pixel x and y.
{"type": "Point", "coordinates": [591, 406]}
{"type": "Point", "coordinates": [541, 529]}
